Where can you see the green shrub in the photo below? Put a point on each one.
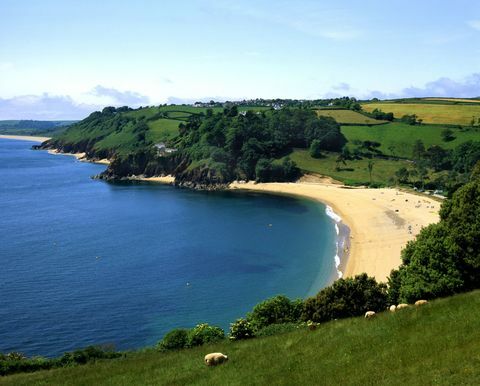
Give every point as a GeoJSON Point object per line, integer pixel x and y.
{"type": "Point", "coordinates": [174, 340]}
{"type": "Point", "coordinates": [241, 329]}
{"type": "Point", "coordinates": [278, 309]}
{"type": "Point", "coordinates": [346, 298]}
{"type": "Point", "coordinates": [204, 333]}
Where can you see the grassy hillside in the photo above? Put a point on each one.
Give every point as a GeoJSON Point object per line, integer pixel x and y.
{"type": "Point", "coordinates": [354, 172]}
{"type": "Point", "coordinates": [438, 113]}
{"type": "Point", "coordinates": [397, 138]}
{"type": "Point", "coordinates": [434, 344]}
{"type": "Point", "coordinates": [349, 117]}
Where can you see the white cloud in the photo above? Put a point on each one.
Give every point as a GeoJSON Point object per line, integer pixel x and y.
{"type": "Point", "coordinates": [468, 87]}
{"type": "Point", "coordinates": [44, 107]}
{"type": "Point", "coordinates": [475, 24]}
{"type": "Point", "coordinates": [116, 97]}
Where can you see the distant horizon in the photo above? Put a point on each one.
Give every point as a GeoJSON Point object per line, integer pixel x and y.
{"type": "Point", "coordinates": [206, 100]}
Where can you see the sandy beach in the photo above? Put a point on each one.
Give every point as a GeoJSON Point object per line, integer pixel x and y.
{"type": "Point", "coordinates": [25, 138]}
{"type": "Point", "coordinates": [381, 221]}
{"type": "Point", "coordinates": [169, 180]}
{"type": "Point", "coordinates": [81, 157]}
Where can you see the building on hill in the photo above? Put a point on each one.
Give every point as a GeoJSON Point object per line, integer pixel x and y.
{"type": "Point", "coordinates": [162, 149]}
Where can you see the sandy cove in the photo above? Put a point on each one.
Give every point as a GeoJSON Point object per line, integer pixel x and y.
{"type": "Point", "coordinates": [26, 138]}
{"type": "Point", "coordinates": [81, 157]}
{"type": "Point", "coordinates": [381, 221]}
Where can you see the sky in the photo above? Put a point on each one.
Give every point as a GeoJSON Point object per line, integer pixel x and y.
{"type": "Point", "coordinates": [62, 59]}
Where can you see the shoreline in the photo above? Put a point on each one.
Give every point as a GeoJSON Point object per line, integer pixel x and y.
{"type": "Point", "coordinates": [80, 157]}
{"type": "Point", "coordinates": [25, 138]}
{"type": "Point", "coordinates": [380, 221]}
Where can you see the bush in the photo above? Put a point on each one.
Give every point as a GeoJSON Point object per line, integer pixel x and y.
{"type": "Point", "coordinates": [346, 298]}
{"type": "Point", "coordinates": [204, 333]}
{"type": "Point", "coordinates": [278, 309]}
{"type": "Point", "coordinates": [241, 329]}
{"type": "Point", "coordinates": [174, 340]}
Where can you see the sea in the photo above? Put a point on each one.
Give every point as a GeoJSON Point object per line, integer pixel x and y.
{"type": "Point", "coordinates": [87, 262]}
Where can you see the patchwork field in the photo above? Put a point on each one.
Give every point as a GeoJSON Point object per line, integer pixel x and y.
{"type": "Point", "coordinates": [450, 114]}
{"type": "Point", "coordinates": [349, 117]}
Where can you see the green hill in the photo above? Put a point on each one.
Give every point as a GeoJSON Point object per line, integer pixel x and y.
{"type": "Point", "coordinates": [438, 343]}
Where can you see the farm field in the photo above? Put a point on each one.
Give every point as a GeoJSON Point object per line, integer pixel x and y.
{"type": "Point", "coordinates": [354, 172]}
{"type": "Point", "coordinates": [349, 117]}
{"type": "Point", "coordinates": [450, 114]}
{"type": "Point", "coordinates": [438, 343]}
{"type": "Point", "coordinates": [459, 100]}
{"type": "Point", "coordinates": [397, 139]}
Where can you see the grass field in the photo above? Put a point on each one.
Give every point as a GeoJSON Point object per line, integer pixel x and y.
{"type": "Point", "coordinates": [349, 117]}
{"type": "Point", "coordinates": [438, 343]}
{"type": "Point", "coordinates": [430, 113]}
{"type": "Point", "coordinates": [354, 172]}
{"type": "Point", "coordinates": [162, 129]}
{"type": "Point", "coordinates": [456, 100]}
{"type": "Point", "coordinates": [397, 139]}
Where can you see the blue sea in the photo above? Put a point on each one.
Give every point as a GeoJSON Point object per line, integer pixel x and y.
{"type": "Point", "coordinates": [84, 261]}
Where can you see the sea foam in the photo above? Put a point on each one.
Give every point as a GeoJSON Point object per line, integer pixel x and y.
{"type": "Point", "coordinates": [330, 213]}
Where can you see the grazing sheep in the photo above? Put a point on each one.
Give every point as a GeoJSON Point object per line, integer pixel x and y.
{"type": "Point", "coordinates": [393, 308]}
{"type": "Point", "coordinates": [369, 314]}
{"type": "Point", "coordinates": [215, 358]}
{"type": "Point", "coordinates": [420, 302]}
{"type": "Point", "coordinates": [402, 305]}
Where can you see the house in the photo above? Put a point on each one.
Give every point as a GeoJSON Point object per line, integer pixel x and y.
{"type": "Point", "coordinates": [162, 149]}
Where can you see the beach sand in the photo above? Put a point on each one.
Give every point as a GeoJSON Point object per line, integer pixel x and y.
{"type": "Point", "coordinates": [25, 138]}
{"type": "Point", "coordinates": [81, 157]}
{"type": "Point", "coordinates": [169, 180]}
{"type": "Point", "coordinates": [381, 221]}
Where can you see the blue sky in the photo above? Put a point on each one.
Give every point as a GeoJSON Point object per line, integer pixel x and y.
{"type": "Point", "coordinates": [61, 59]}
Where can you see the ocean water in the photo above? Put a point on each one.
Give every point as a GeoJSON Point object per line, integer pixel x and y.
{"type": "Point", "coordinates": [85, 262]}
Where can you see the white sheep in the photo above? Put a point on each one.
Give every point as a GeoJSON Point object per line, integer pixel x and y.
{"type": "Point", "coordinates": [420, 302]}
{"type": "Point", "coordinates": [393, 308]}
{"type": "Point", "coordinates": [402, 305]}
{"type": "Point", "coordinates": [369, 314]}
{"type": "Point", "coordinates": [215, 358]}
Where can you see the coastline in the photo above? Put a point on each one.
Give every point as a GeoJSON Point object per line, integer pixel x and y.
{"type": "Point", "coordinates": [81, 157]}
{"type": "Point", "coordinates": [380, 221]}
{"type": "Point", "coordinates": [25, 138]}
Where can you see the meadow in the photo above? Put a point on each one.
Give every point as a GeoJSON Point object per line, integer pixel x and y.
{"type": "Point", "coordinates": [397, 139]}
{"type": "Point", "coordinates": [438, 343]}
{"type": "Point", "coordinates": [354, 172]}
{"type": "Point", "coordinates": [437, 113]}
{"type": "Point", "coordinates": [349, 117]}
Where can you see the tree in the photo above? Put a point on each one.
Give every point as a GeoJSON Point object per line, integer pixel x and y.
{"type": "Point", "coordinates": [370, 169]}
{"type": "Point", "coordinates": [418, 150]}
{"type": "Point", "coordinates": [402, 174]}
{"type": "Point", "coordinates": [346, 298]}
{"type": "Point", "coordinates": [316, 149]}
{"type": "Point", "coordinates": [447, 135]}
{"type": "Point", "coordinates": [278, 309]}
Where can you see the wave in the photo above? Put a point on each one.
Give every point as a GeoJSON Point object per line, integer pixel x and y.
{"type": "Point", "coordinates": [335, 217]}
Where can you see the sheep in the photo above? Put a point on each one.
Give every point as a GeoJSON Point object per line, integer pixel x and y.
{"type": "Point", "coordinates": [369, 314]}
{"type": "Point", "coordinates": [393, 308]}
{"type": "Point", "coordinates": [420, 302]}
{"type": "Point", "coordinates": [215, 358]}
{"type": "Point", "coordinates": [402, 305]}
